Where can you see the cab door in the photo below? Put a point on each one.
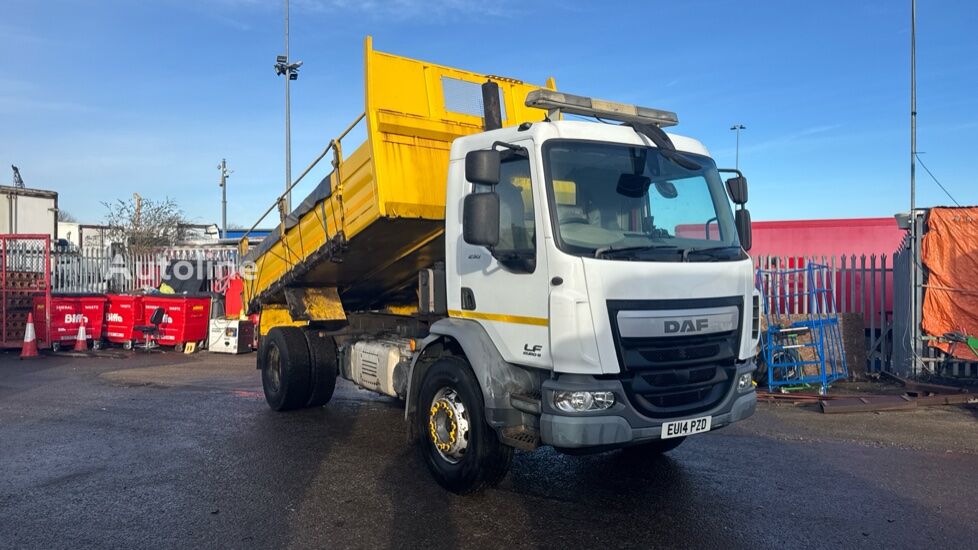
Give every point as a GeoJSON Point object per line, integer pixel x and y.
{"type": "Point", "coordinates": [507, 289]}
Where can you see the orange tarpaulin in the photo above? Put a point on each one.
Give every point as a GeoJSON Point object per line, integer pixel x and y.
{"type": "Point", "coordinates": [950, 254]}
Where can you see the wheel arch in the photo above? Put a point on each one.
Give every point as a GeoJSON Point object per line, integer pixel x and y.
{"type": "Point", "coordinates": [497, 378]}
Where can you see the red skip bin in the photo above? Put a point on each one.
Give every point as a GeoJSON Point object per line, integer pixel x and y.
{"type": "Point", "coordinates": [58, 328]}
{"type": "Point", "coordinates": [185, 318]}
{"type": "Point", "coordinates": [125, 312]}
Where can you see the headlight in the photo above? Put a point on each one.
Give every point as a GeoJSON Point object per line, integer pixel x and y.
{"type": "Point", "coordinates": [583, 401]}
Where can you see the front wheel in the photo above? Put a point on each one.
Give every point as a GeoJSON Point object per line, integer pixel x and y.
{"type": "Point", "coordinates": [459, 447]}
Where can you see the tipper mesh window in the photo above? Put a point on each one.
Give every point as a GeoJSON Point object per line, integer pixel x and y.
{"type": "Point", "coordinates": [465, 97]}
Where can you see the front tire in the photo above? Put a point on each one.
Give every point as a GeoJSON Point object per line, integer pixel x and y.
{"type": "Point", "coordinates": [285, 371]}
{"type": "Point", "coordinates": [459, 447]}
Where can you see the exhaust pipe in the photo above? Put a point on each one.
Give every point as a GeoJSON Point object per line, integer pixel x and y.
{"type": "Point", "coordinates": [492, 112]}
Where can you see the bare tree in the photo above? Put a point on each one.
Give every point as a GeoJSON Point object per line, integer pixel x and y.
{"type": "Point", "coordinates": [65, 216]}
{"type": "Point", "coordinates": [145, 225]}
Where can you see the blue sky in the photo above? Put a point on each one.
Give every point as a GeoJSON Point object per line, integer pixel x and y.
{"type": "Point", "coordinates": [103, 98]}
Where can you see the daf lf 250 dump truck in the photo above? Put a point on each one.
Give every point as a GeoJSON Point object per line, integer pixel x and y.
{"type": "Point", "coordinates": [516, 278]}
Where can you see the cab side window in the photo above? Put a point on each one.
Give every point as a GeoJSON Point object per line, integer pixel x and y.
{"type": "Point", "coordinates": [516, 250]}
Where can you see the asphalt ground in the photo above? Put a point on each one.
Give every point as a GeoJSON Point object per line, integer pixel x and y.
{"type": "Point", "coordinates": [164, 450]}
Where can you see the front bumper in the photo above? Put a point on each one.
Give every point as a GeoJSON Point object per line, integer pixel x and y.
{"type": "Point", "coordinates": [622, 425]}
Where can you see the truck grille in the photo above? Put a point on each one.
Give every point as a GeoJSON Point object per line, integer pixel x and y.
{"type": "Point", "coordinates": [676, 375]}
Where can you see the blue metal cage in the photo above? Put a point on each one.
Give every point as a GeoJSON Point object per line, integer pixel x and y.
{"type": "Point", "coordinates": [802, 343]}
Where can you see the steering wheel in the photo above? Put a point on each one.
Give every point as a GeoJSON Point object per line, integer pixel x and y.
{"type": "Point", "coordinates": [574, 218]}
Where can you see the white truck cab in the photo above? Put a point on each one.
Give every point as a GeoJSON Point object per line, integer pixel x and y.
{"type": "Point", "coordinates": [608, 270]}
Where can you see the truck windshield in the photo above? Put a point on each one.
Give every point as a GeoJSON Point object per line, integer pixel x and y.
{"type": "Point", "coordinates": [626, 202]}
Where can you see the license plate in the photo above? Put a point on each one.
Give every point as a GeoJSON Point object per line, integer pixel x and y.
{"type": "Point", "coordinates": [681, 428]}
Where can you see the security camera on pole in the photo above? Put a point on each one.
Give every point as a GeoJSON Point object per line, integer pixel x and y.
{"type": "Point", "coordinates": [291, 72]}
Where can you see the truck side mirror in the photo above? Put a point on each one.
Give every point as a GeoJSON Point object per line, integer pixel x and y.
{"type": "Point", "coordinates": [742, 221]}
{"type": "Point", "coordinates": [480, 218]}
{"type": "Point", "coordinates": [483, 166]}
{"type": "Point", "coordinates": [737, 187]}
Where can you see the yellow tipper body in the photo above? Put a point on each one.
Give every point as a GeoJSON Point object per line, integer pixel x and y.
{"type": "Point", "coordinates": [378, 217]}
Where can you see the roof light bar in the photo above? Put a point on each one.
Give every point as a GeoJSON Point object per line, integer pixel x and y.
{"type": "Point", "coordinates": [557, 102]}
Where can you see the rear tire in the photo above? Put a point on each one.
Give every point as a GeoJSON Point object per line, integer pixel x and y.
{"type": "Point", "coordinates": [322, 369]}
{"type": "Point", "coordinates": [285, 372]}
{"type": "Point", "coordinates": [470, 456]}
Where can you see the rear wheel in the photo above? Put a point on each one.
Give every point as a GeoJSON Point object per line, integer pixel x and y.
{"type": "Point", "coordinates": [285, 372]}
{"type": "Point", "coordinates": [322, 369]}
{"type": "Point", "coordinates": [461, 450]}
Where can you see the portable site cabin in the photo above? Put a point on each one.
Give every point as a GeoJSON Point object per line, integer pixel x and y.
{"type": "Point", "coordinates": [378, 217]}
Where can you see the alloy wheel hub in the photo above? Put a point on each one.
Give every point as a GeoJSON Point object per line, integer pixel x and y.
{"type": "Point", "coordinates": [448, 425]}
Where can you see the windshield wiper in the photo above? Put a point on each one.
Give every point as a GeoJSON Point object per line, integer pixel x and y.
{"type": "Point", "coordinates": [688, 251]}
{"type": "Point", "coordinates": [601, 252]}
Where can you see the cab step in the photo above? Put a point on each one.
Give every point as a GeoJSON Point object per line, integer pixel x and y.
{"type": "Point", "coordinates": [521, 437]}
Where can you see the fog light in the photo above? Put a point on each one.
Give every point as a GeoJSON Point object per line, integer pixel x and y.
{"type": "Point", "coordinates": [745, 382]}
{"type": "Point", "coordinates": [583, 401]}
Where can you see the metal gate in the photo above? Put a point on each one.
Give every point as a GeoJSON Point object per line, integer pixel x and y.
{"type": "Point", "coordinates": [25, 273]}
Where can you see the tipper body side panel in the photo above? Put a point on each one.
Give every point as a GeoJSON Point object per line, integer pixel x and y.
{"type": "Point", "coordinates": [378, 217]}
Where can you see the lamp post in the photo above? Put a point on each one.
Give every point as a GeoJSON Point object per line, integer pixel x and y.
{"type": "Point", "coordinates": [223, 167]}
{"type": "Point", "coordinates": [291, 72]}
{"type": "Point", "coordinates": [737, 128]}
{"type": "Point", "coordinates": [915, 275]}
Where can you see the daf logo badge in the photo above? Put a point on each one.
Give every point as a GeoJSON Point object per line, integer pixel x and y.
{"type": "Point", "coordinates": [686, 325]}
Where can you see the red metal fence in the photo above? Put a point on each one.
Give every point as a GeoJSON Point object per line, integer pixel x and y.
{"type": "Point", "coordinates": [24, 273]}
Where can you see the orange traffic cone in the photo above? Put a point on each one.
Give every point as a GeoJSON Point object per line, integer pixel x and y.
{"type": "Point", "coordinates": [81, 341]}
{"type": "Point", "coordinates": [30, 339]}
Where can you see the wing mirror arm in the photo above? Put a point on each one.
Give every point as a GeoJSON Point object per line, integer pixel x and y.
{"type": "Point", "coordinates": [737, 189]}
